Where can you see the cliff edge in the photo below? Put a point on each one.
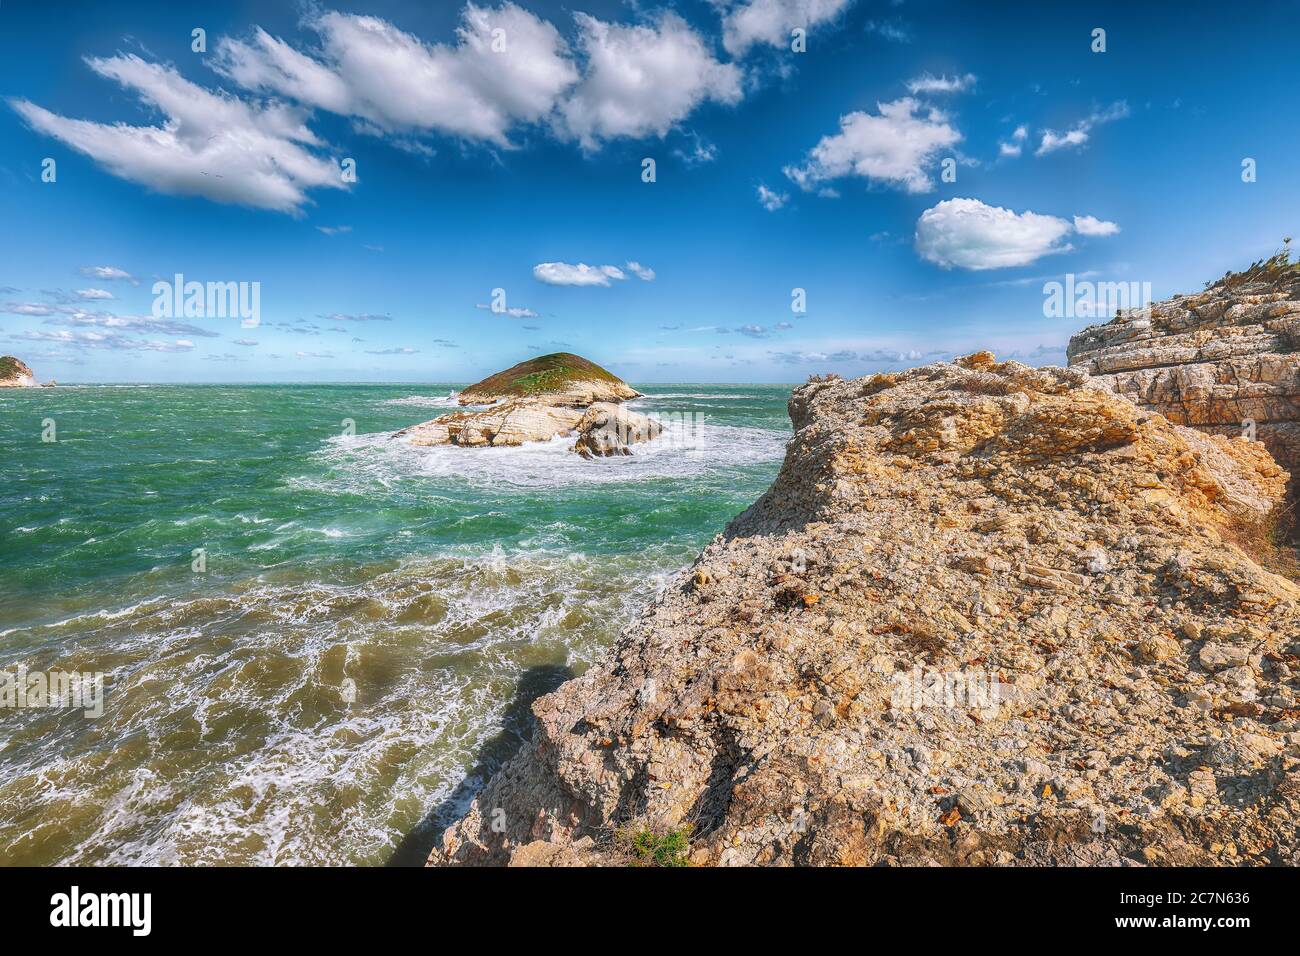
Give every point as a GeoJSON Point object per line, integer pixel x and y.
{"type": "Point", "coordinates": [985, 614]}
{"type": "Point", "coordinates": [14, 373]}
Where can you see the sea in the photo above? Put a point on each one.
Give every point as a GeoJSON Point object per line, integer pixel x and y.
{"type": "Point", "coordinates": [315, 641]}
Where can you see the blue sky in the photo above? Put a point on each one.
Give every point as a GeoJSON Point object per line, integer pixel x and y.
{"type": "Point", "coordinates": [502, 147]}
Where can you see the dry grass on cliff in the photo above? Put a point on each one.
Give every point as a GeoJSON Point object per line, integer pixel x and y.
{"type": "Point", "coordinates": [1276, 272]}
{"type": "Point", "coordinates": [1272, 542]}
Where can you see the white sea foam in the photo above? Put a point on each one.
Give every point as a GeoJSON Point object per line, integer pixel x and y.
{"type": "Point", "coordinates": [425, 401]}
{"type": "Point", "coordinates": [687, 449]}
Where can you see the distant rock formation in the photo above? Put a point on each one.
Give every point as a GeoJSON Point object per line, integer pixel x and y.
{"type": "Point", "coordinates": [537, 400]}
{"type": "Point", "coordinates": [1225, 360]}
{"type": "Point", "coordinates": [14, 373]}
{"type": "Point", "coordinates": [986, 614]}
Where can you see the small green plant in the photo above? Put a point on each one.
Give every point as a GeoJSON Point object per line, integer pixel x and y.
{"type": "Point", "coordinates": [671, 848]}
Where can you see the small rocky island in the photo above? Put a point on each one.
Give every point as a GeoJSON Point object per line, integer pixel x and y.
{"type": "Point", "coordinates": [537, 400]}
{"type": "Point", "coordinates": [14, 373]}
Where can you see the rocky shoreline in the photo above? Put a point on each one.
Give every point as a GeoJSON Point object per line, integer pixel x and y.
{"type": "Point", "coordinates": [986, 614]}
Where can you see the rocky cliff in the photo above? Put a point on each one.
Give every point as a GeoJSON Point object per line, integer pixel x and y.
{"type": "Point", "coordinates": [15, 374]}
{"type": "Point", "coordinates": [986, 614]}
{"type": "Point", "coordinates": [1225, 360]}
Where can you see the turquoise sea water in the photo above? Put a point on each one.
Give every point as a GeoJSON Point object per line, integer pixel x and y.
{"type": "Point", "coordinates": [368, 623]}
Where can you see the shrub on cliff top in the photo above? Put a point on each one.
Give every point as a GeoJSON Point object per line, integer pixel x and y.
{"type": "Point", "coordinates": [1276, 270]}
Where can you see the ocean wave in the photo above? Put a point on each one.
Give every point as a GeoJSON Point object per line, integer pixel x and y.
{"type": "Point", "coordinates": [252, 709]}
{"type": "Point", "coordinates": [425, 401]}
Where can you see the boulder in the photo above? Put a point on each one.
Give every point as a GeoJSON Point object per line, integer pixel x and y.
{"type": "Point", "coordinates": [510, 423]}
{"type": "Point", "coordinates": [607, 429]}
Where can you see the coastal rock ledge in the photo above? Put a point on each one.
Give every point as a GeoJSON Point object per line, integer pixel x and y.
{"type": "Point", "coordinates": [986, 614]}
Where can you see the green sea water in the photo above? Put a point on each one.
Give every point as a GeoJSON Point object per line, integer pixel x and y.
{"type": "Point", "coordinates": [316, 640]}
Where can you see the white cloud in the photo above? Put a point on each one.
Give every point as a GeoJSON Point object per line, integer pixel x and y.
{"type": "Point", "coordinates": [581, 274]}
{"type": "Point", "coordinates": [1092, 226]}
{"type": "Point", "coordinates": [94, 294]}
{"type": "Point", "coordinates": [514, 311]}
{"type": "Point", "coordinates": [893, 147]}
{"type": "Point", "coordinates": [107, 273]}
{"type": "Point", "coordinates": [1015, 145]}
{"type": "Point", "coordinates": [111, 341]}
{"type": "Point", "coordinates": [334, 230]}
{"type": "Point", "coordinates": [1080, 132]}
{"type": "Point", "coordinates": [642, 80]}
{"type": "Point", "coordinates": [928, 83]}
{"type": "Point", "coordinates": [770, 199]}
{"type": "Point", "coordinates": [396, 82]}
{"type": "Point", "coordinates": [245, 342]}
{"type": "Point", "coordinates": [644, 273]}
{"type": "Point", "coordinates": [402, 350]}
{"type": "Point", "coordinates": [968, 234]}
{"type": "Point", "coordinates": [770, 21]}
{"type": "Point", "coordinates": [896, 31]}
{"type": "Point", "coordinates": [210, 144]}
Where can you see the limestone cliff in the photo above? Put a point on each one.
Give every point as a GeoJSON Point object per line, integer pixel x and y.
{"type": "Point", "coordinates": [15, 374]}
{"type": "Point", "coordinates": [1225, 360]}
{"type": "Point", "coordinates": [986, 614]}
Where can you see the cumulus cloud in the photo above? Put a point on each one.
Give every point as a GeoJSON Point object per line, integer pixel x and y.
{"type": "Point", "coordinates": [248, 343]}
{"type": "Point", "coordinates": [334, 230]}
{"type": "Point", "coordinates": [1091, 226]}
{"type": "Point", "coordinates": [644, 273]}
{"type": "Point", "coordinates": [771, 200]}
{"type": "Point", "coordinates": [94, 294]}
{"type": "Point", "coordinates": [507, 67]}
{"type": "Point", "coordinates": [928, 83]}
{"type": "Point", "coordinates": [893, 147]}
{"type": "Point", "coordinates": [401, 350]}
{"type": "Point", "coordinates": [209, 144]}
{"type": "Point", "coordinates": [581, 274]}
{"type": "Point", "coordinates": [641, 80]}
{"type": "Point", "coordinates": [752, 22]}
{"type": "Point", "coordinates": [1080, 132]}
{"type": "Point", "coordinates": [969, 234]}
